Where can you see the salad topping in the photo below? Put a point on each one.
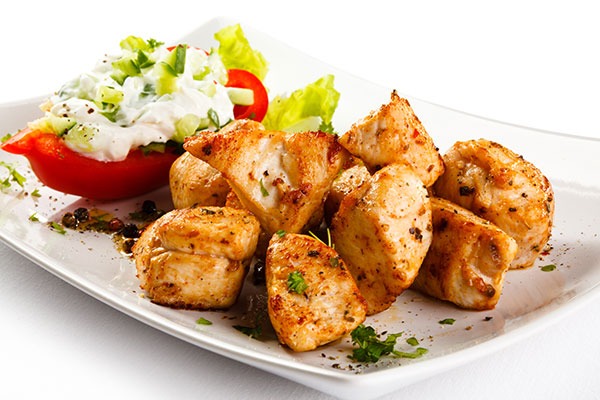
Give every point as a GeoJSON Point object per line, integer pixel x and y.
{"type": "Point", "coordinates": [137, 98]}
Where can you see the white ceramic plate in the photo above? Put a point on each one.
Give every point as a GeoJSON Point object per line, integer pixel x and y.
{"type": "Point", "coordinates": [531, 300]}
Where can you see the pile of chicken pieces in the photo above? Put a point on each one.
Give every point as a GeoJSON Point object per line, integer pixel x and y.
{"type": "Point", "coordinates": [399, 214]}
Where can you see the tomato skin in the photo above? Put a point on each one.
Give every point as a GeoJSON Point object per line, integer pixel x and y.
{"type": "Point", "coordinates": [240, 78]}
{"type": "Point", "coordinates": [65, 170]}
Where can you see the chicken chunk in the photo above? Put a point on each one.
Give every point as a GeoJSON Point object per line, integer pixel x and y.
{"type": "Point", "coordinates": [394, 134]}
{"type": "Point", "coordinates": [383, 230]}
{"type": "Point", "coordinates": [500, 186]}
{"type": "Point", "coordinates": [348, 180]}
{"type": "Point", "coordinates": [282, 178]}
{"type": "Point", "coordinates": [263, 238]}
{"type": "Point", "coordinates": [196, 258]}
{"type": "Point", "coordinates": [194, 182]}
{"type": "Point", "coordinates": [467, 259]}
{"type": "Point", "coordinates": [312, 298]}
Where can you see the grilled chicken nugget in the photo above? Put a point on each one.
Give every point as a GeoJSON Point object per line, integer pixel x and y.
{"type": "Point", "coordinates": [467, 259]}
{"type": "Point", "coordinates": [196, 258]}
{"type": "Point", "coordinates": [282, 178]}
{"type": "Point", "coordinates": [383, 230]}
{"type": "Point", "coordinates": [394, 134]}
{"type": "Point", "coordinates": [500, 186]}
{"type": "Point", "coordinates": [194, 182]}
{"type": "Point", "coordinates": [348, 180]}
{"type": "Point", "coordinates": [312, 298]}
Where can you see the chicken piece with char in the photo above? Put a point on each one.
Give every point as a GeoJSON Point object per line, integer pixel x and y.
{"type": "Point", "coordinates": [394, 134]}
{"type": "Point", "coordinates": [196, 258]}
{"type": "Point", "coordinates": [194, 182]}
{"type": "Point", "coordinates": [312, 297]}
{"type": "Point", "coordinates": [349, 179]}
{"type": "Point", "coordinates": [500, 186]}
{"type": "Point", "coordinates": [383, 231]}
{"type": "Point", "coordinates": [467, 260]}
{"type": "Point", "coordinates": [282, 178]}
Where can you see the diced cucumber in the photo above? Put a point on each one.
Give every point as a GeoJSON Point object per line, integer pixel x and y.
{"type": "Point", "coordinates": [187, 126]}
{"type": "Point", "coordinates": [80, 137]}
{"type": "Point", "coordinates": [51, 123]}
{"type": "Point", "coordinates": [108, 95]}
{"type": "Point", "coordinates": [127, 66]}
{"type": "Point", "coordinates": [209, 89]}
{"type": "Point", "coordinates": [241, 96]}
{"type": "Point", "coordinates": [166, 81]}
{"type": "Point", "coordinates": [133, 43]}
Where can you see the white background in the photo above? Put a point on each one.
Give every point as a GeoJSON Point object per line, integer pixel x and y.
{"type": "Point", "coordinates": [533, 64]}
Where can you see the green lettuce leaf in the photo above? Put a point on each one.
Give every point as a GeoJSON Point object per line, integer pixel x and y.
{"type": "Point", "coordinates": [310, 108]}
{"type": "Point", "coordinates": [236, 53]}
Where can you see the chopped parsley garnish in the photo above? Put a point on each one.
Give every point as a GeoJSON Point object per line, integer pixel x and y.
{"type": "Point", "coordinates": [419, 351]}
{"type": "Point", "coordinates": [34, 218]}
{"type": "Point", "coordinates": [13, 176]}
{"type": "Point", "coordinates": [334, 262]}
{"type": "Point", "coordinates": [203, 321]}
{"type": "Point", "coordinates": [371, 348]}
{"type": "Point", "coordinates": [263, 189]}
{"type": "Point", "coordinates": [412, 341]}
{"type": "Point", "coordinates": [296, 283]}
{"type": "Point", "coordinates": [153, 43]}
{"type": "Point", "coordinates": [280, 233]}
{"type": "Point", "coordinates": [6, 137]}
{"type": "Point", "coordinates": [548, 268]}
{"type": "Point", "coordinates": [253, 332]}
{"type": "Point", "coordinates": [36, 193]}
{"type": "Point", "coordinates": [447, 321]}
{"type": "Point", "coordinates": [58, 228]}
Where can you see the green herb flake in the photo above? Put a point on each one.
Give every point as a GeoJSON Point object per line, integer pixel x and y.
{"type": "Point", "coordinates": [13, 176]}
{"type": "Point", "coordinates": [58, 228]}
{"type": "Point", "coordinates": [447, 321]}
{"type": "Point", "coordinates": [203, 321]}
{"type": "Point", "coordinates": [253, 332]}
{"type": "Point", "coordinates": [6, 137]}
{"type": "Point", "coordinates": [263, 189]}
{"type": "Point", "coordinates": [36, 193]}
{"type": "Point", "coordinates": [153, 43]}
{"type": "Point", "coordinates": [296, 283]}
{"type": "Point", "coordinates": [280, 233]}
{"type": "Point", "coordinates": [334, 262]}
{"type": "Point", "coordinates": [370, 347]}
{"type": "Point", "coordinates": [419, 351]}
{"type": "Point", "coordinates": [548, 268]}
{"type": "Point", "coordinates": [34, 218]}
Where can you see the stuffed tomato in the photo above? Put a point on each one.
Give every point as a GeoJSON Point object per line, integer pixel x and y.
{"type": "Point", "coordinates": [113, 132]}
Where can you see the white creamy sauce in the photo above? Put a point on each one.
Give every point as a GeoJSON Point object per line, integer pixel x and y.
{"type": "Point", "coordinates": [267, 170]}
{"type": "Point", "coordinates": [143, 117]}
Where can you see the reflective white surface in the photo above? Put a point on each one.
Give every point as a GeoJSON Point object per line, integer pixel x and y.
{"type": "Point", "coordinates": [61, 335]}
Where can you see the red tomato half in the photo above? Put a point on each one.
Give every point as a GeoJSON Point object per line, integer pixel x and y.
{"type": "Point", "coordinates": [240, 78]}
{"type": "Point", "coordinates": [62, 169]}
